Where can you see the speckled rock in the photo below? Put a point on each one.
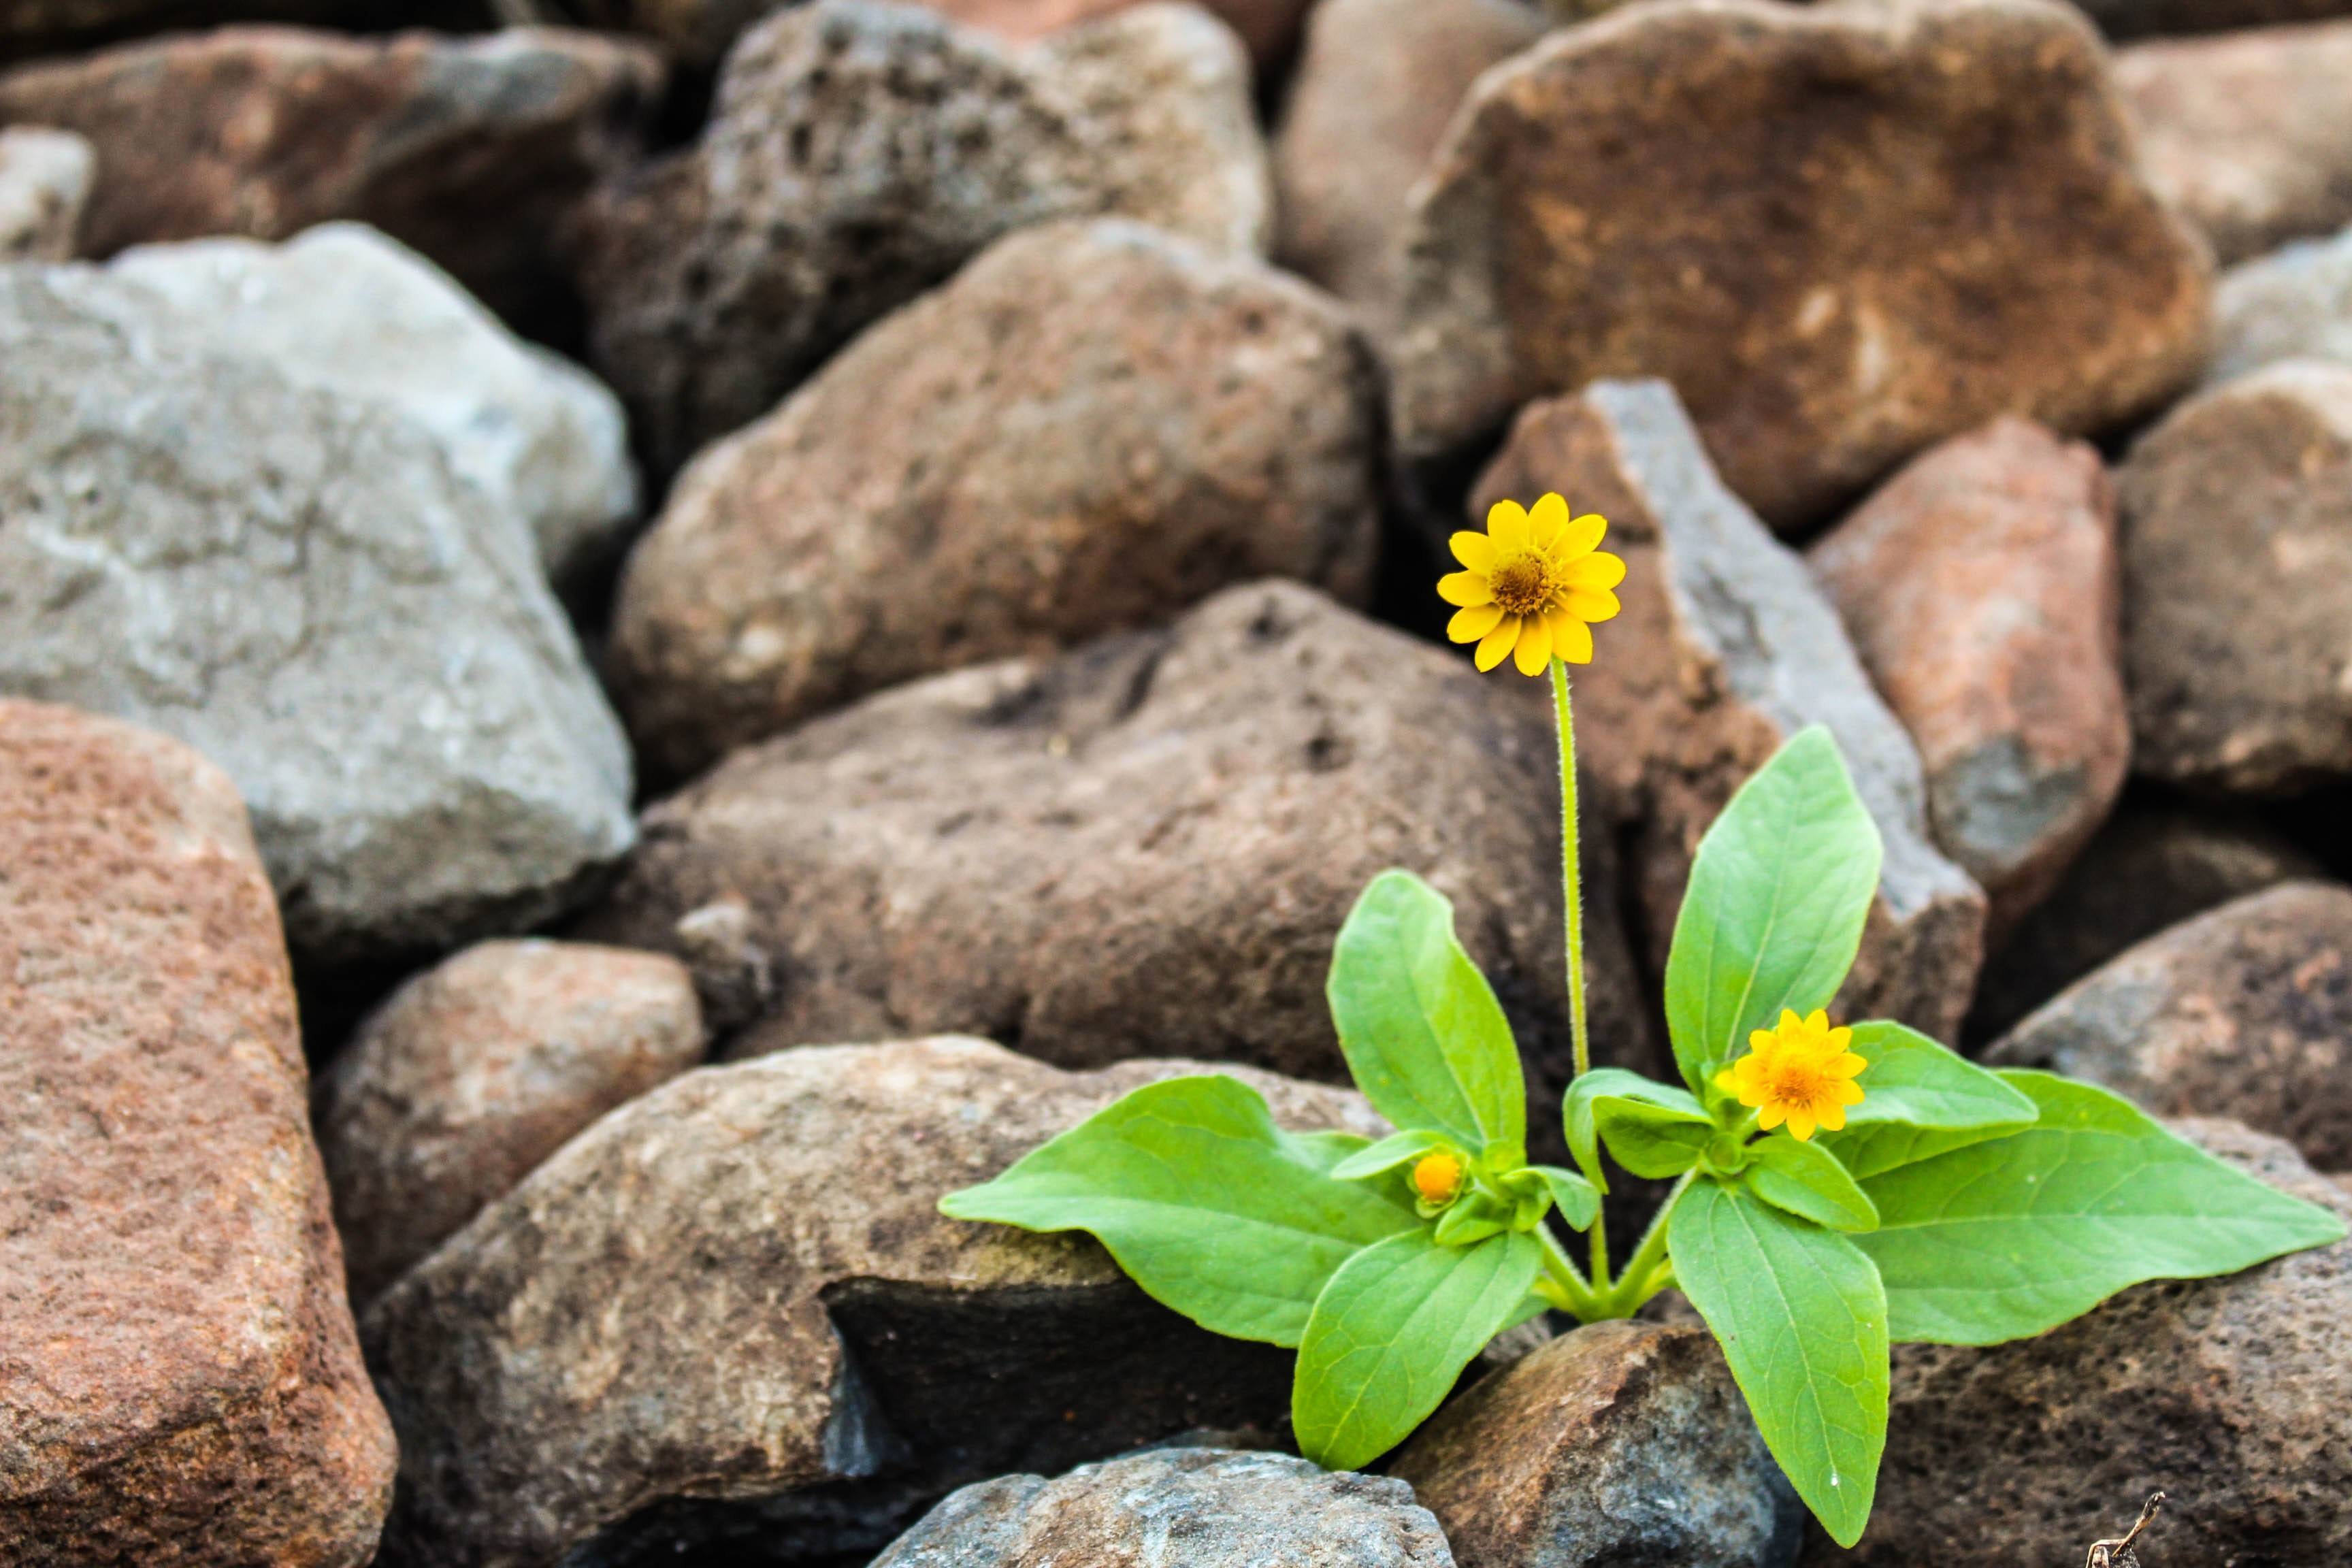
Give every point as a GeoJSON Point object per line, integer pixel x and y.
{"type": "Point", "coordinates": [1842, 232]}
{"type": "Point", "coordinates": [2238, 585]}
{"type": "Point", "coordinates": [476, 1070]}
{"type": "Point", "coordinates": [730, 1311]}
{"type": "Point", "coordinates": [2294, 303]}
{"type": "Point", "coordinates": [44, 178]}
{"type": "Point", "coordinates": [179, 1380]}
{"type": "Point", "coordinates": [1093, 426]}
{"type": "Point", "coordinates": [1725, 649]}
{"type": "Point", "coordinates": [1623, 1444]}
{"type": "Point", "coordinates": [1982, 588]}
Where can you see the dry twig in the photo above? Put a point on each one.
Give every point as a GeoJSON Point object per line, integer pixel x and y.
{"type": "Point", "coordinates": [2119, 1553]}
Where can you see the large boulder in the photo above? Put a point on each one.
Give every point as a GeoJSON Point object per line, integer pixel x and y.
{"type": "Point", "coordinates": [730, 1314]}
{"type": "Point", "coordinates": [293, 582]}
{"type": "Point", "coordinates": [45, 179]}
{"type": "Point", "coordinates": [179, 1379]}
{"type": "Point", "coordinates": [1093, 426]}
{"type": "Point", "coordinates": [2294, 303]}
{"type": "Point", "coordinates": [1842, 232]}
{"type": "Point", "coordinates": [1726, 648]}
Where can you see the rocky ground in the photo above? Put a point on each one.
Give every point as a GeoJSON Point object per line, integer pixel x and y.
{"type": "Point", "coordinates": [632, 643]}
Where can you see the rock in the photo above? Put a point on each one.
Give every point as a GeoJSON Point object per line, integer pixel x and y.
{"type": "Point", "coordinates": [1093, 426]}
{"type": "Point", "coordinates": [179, 1378]}
{"type": "Point", "coordinates": [1212, 1508]}
{"type": "Point", "coordinates": [729, 1310]}
{"type": "Point", "coordinates": [1377, 84]}
{"type": "Point", "coordinates": [2245, 1011]}
{"type": "Point", "coordinates": [1980, 587]}
{"type": "Point", "coordinates": [858, 154]}
{"type": "Point", "coordinates": [472, 150]}
{"type": "Point", "coordinates": [478, 1069]}
{"type": "Point", "coordinates": [2249, 134]}
{"type": "Point", "coordinates": [1725, 649]}
{"type": "Point", "coordinates": [34, 27]}
{"type": "Point", "coordinates": [1842, 232]}
{"type": "Point", "coordinates": [346, 309]}
{"type": "Point", "coordinates": [2237, 515]}
{"type": "Point", "coordinates": [2231, 1395]}
{"type": "Point", "coordinates": [45, 179]}
{"type": "Point", "coordinates": [293, 583]}
{"type": "Point", "coordinates": [1623, 1444]}
{"type": "Point", "coordinates": [1145, 846]}
{"type": "Point", "coordinates": [2296, 303]}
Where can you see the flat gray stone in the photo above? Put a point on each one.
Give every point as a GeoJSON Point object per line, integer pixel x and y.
{"type": "Point", "coordinates": [2294, 303]}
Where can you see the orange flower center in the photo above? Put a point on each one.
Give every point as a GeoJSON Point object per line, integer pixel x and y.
{"type": "Point", "coordinates": [1436, 1177]}
{"type": "Point", "coordinates": [1797, 1080]}
{"type": "Point", "coordinates": [1521, 585]}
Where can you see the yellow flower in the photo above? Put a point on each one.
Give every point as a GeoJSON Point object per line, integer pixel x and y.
{"type": "Point", "coordinates": [1801, 1072]}
{"type": "Point", "coordinates": [1437, 1177]}
{"type": "Point", "coordinates": [1532, 584]}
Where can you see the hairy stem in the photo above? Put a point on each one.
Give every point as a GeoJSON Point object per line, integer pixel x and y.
{"type": "Point", "coordinates": [1571, 884]}
{"type": "Point", "coordinates": [1561, 1285]}
{"type": "Point", "coordinates": [1647, 1272]}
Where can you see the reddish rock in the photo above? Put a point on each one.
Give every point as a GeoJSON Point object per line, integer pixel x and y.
{"type": "Point", "coordinates": [476, 1071]}
{"type": "Point", "coordinates": [179, 1379]}
{"type": "Point", "coordinates": [1980, 586]}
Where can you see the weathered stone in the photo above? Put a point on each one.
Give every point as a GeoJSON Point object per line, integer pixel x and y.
{"type": "Point", "coordinates": [35, 27]}
{"type": "Point", "coordinates": [2233, 1395]}
{"type": "Point", "coordinates": [2237, 516]}
{"type": "Point", "coordinates": [1980, 587]}
{"type": "Point", "coordinates": [858, 154]}
{"type": "Point", "coordinates": [732, 1306]}
{"type": "Point", "coordinates": [1623, 1444]}
{"type": "Point", "coordinates": [45, 179]}
{"type": "Point", "coordinates": [1843, 231]}
{"type": "Point", "coordinates": [1093, 426]}
{"type": "Point", "coordinates": [1378, 83]}
{"type": "Point", "coordinates": [294, 582]}
{"type": "Point", "coordinates": [2296, 303]}
{"type": "Point", "coordinates": [179, 1379]}
{"type": "Point", "coordinates": [2249, 134]}
{"type": "Point", "coordinates": [1725, 649]}
{"type": "Point", "coordinates": [1145, 845]}
{"type": "Point", "coordinates": [346, 309]}
{"type": "Point", "coordinates": [1212, 1508]}
{"type": "Point", "coordinates": [471, 150]}
{"type": "Point", "coordinates": [478, 1069]}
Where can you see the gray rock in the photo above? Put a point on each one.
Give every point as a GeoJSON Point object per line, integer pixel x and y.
{"type": "Point", "coordinates": [44, 178]}
{"type": "Point", "coordinates": [295, 583]}
{"type": "Point", "coordinates": [2294, 303]}
{"type": "Point", "coordinates": [1204, 1508]}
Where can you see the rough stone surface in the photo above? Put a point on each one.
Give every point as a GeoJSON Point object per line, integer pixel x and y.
{"type": "Point", "coordinates": [294, 583]}
{"type": "Point", "coordinates": [2237, 515]}
{"type": "Point", "coordinates": [1843, 231]}
{"type": "Point", "coordinates": [179, 1380]}
{"type": "Point", "coordinates": [731, 1312]}
{"type": "Point", "coordinates": [2245, 1011]}
{"type": "Point", "coordinates": [35, 27]}
{"type": "Point", "coordinates": [1378, 83]}
{"type": "Point", "coordinates": [1725, 649]}
{"type": "Point", "coordinates": [2249, 134]}
{"type": "Point", "coordinates": [346, 309]}
{"type": "Point", "coordinates": [1623, 1444]}
{"type": "Point", "coordinates": [1093, 426]}
{"type": "Point", "coordinates": [1206, 1508]}
{"type": "Point", "coordinates": [1145, 845]}
{"type": "Point", "coordinates": [2296, 303]}
{"type": "Point", "coordinates": [1980, 586]}
{"type": "Point", "coordinates": [478, 1069]}
{"type": "Point", "coordinates": [858, 154]}
{"type": "Point", "coordinates": [44, 177]}
{"type": "Point", "coordinates": [469, 150]}
{"type": "Point", "coordinates": [2232, 1395]}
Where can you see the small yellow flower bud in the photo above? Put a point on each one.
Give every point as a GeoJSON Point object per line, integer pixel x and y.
{"type": "Point", "coordinates": [1437, 1177]}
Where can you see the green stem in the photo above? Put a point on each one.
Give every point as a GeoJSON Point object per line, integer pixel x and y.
{"type": "Point", "coordinates": [1571, 884]}
{"type": "Point", "coordinates": [1636, 1284]}
{"type": "Point", "coordinates": [1567, 1289]}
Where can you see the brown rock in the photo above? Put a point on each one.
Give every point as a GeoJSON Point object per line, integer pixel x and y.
{"type": "Point", "coordinates": [2249, 134]}
{"type": "Point", "coordinates": [1980, 587]}
{"type": "Point", "coordinates": [1623, 1444]}
{"type": "Point", "coordinates": [1725, 649]}
{"type": "Point", "coordinates": [478, 1069]}
{"type": "Point", "coordinates": [2238, 585]}
{"type": "Point", "coordinates": [731, 1311]}
{"type": "Point", "coordinates": [32, 28]}
{"type": "Point", "coordinates": [1843, 231]}
{"type": "Point", "coordinates": [1093, 426]}
{"type": "Point", "coordinates": [44, 184]}
{"type": "Point", "coordinates": [179, 1380]}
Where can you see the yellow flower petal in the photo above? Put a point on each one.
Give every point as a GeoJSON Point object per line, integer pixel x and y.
{"type": "Point", "coordinates": [1580, 536]}
{"type": "Point", "coordinates": [1599, 570]}
{"type": "Point", "coordinates": [1843, 1038]}
{"type": "Point", "coordinates": [1726, 1082]}
{"type": "Point", "coordinates": [1470, 625]}
{"type": "Point", "coordinates": [1534, 652]}
{"type": "Point", "coordinates": [1507, 525]}
{"type": "Point", "coordinates": [1573, 642]}
{"type": "Point", "coordinates": [1547, 521]}
{"type": "Point", "coordinates": [1818, 1021]}
{"type": "Point", "coordinates": [1496, 643]}
{"type": "Point", "coordinates": [1465, 589]}
{"type": "Point", "coordinates": [1849, 1092]}
{"type": "Point", "coordinates": [1789, 1020]}
{"type": "Point", "coordinates": [1772, 1117]}
{"type": "Point", "coordinates": [1846, 1065]}
{"type": "Point", "coordinates": [1592, 608]}
{"type": "Point", "coordinates": [1802, 1124]}
{"type": "Point", "coordinates": [1477, 552]}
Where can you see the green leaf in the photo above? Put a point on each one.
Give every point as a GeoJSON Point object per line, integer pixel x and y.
{"type": "Point", "coordinates": [1807, 1180]}
{"type": "Point", "coordinates": [1393, 1331]}
{"type": "Point", "coordinates": [2009, 1238]}
{"type": "Point", "coordinates": [1396, 1149]}
{"type": "Point", "coordinates": [1920, 1099]}
{"type": "Point", "coordinates": [1424, 1034]}
{"type": "Point", "coordinates": [1658, 1124]}
{"type": "Point", "coordinates": [1804, 1323]}
{"type": "Point", "coordinates": [1578, 1200]}
{"type": "Point", "coordinates": [1774, 911]}
{"type": "Point", "coordinates": [1472, 1219]}
{"type": "Point", "coordinates": [1207, 1204]}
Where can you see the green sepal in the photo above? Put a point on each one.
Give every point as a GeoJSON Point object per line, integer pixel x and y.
{"type": "Point", "coordinates": [1807, 1180]}
{"type": "Point", "coordinates": [1659, 1125]}
{"type": "Point", "coordinates": [1919, 1100]}
{"type": "Point", "coordinates": [1578, 1200]}
{"type": "Point", "coordinates": [1472, 1219]}
{"type": "Point", "coordinates": [1403, 1148]}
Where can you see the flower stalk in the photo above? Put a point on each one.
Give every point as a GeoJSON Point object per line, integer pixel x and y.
{"type": "Point", "coordinates": [1571, 887]}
